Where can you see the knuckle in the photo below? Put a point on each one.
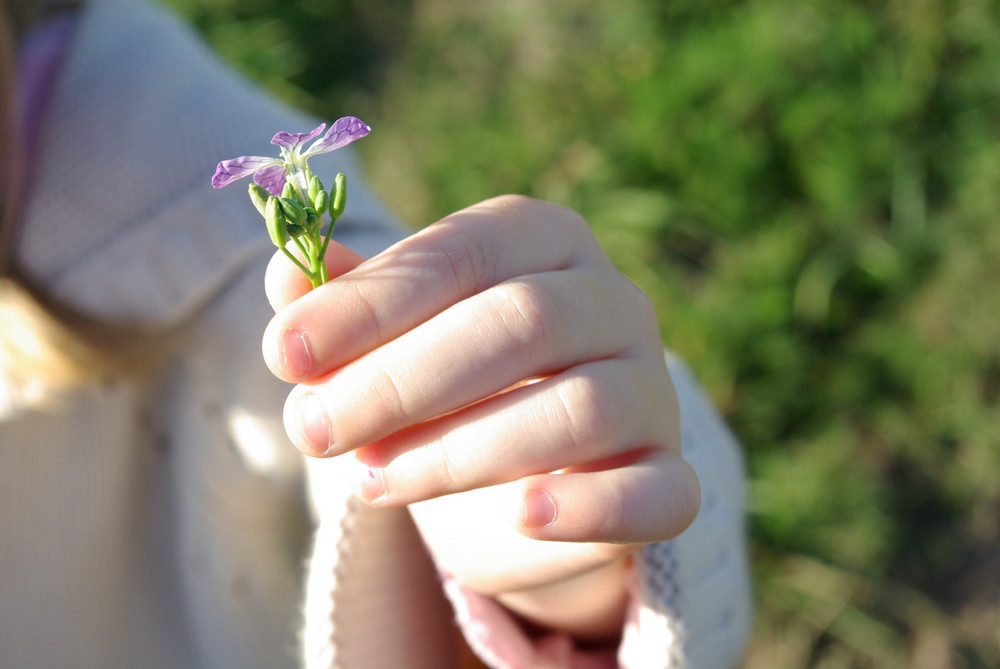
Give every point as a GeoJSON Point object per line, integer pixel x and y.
{"type": "Point", "coordinates": [529, 210]}
{"type": "Point", "coordinates": [515, 207]}
{"type": "Point", "coordinates": [515, 201]}
{"type": "Point", "coordinates": [387, 397]}
{"type": "Point", "coordinates": [446, 471]}
{"type": "Point", "coordinates": [527, 315]}
{"type": "Point", "coordinates": [572, 221]}
{"type": "Point", "coordinates": [641, 310]}
{"type": "Point", "coordinates": [590, 415]}
{"type": "Point", "coordinates": [569, 224]}
{"type": "Point", "coordinates": [371, 327]}
{"type": "Point", "coordinates": [467, 260]}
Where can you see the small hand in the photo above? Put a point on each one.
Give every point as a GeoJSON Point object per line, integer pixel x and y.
{"type": "Point", "coordinates": [497, 354]}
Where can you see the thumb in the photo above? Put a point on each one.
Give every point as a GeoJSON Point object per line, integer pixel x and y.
{"type": "Point", "coordinates": [284, 282]}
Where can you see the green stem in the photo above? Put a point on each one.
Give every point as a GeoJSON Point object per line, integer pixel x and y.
{"type": "Point", "coordinates": [298, 264]}
{"type": "Point", "coordinates": [315, 255]}
{"type": "Point", "coordinates": [329, 234]}
{"type": "Point", "coordinates": [298, 242]}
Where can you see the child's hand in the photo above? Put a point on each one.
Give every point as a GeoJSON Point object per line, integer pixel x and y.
{"type": "Point", "coordinates": [496, 346]}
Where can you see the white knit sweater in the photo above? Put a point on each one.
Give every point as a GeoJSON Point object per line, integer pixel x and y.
{"type": "Point", "coordinates": [165, 522]}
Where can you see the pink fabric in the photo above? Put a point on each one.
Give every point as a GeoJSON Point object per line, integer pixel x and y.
{"type": "Point", "coordinates": [497, 638]}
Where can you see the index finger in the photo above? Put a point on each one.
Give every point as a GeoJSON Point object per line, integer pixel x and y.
{"type": "Point", "coordinates": [422, 276]}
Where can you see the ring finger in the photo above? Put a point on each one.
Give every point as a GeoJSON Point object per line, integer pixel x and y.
{"type": "Point", "coordinates": [584, 415]}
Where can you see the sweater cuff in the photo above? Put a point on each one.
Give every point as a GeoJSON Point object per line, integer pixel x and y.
{"type": "Point", "coordinates": [495, 635]}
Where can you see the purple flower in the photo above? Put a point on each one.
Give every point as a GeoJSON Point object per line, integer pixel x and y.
{"type": "Point", "coordinates": [271, 173]}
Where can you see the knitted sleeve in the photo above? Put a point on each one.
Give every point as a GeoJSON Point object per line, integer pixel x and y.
{"type": "Point", "coordinates": [695, 589]}
{"type": "Point", "coordinates": [690, 597]}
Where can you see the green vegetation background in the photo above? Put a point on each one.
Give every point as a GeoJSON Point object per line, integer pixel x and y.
{"type": "Point", "coordinates": [809, 191]}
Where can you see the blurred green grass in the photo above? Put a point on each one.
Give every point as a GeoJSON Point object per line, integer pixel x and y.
{"type": "Point", "coordinates": [809, 192]}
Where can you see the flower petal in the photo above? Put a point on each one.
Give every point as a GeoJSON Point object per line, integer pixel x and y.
{"type": "Point", "coordinates": [343, 131]}
{"type": "Point", "coordinates": [289, 140]}
{"type": "Point", "coordinates": [272, 178]}
{"type": "Point", "coordinates": [229, 171]}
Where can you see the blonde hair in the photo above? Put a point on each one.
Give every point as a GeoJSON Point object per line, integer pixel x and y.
{"type": "Point", "coordinates": [44, 349]}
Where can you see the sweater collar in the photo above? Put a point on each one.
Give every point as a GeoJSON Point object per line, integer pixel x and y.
{"type": "Point", "coordinates": [123, 223]}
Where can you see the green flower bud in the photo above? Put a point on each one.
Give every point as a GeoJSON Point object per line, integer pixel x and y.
{"type": "Point", "coordinates": [294, 212]}
{"type": "Point", "coordinates": [312, 218]}
{"type": "Point", "coordinates": [288, 191]}
{"type": "Point", "coordinates": [339, 197]}
{"type": "Point", "coordinates": [277, 225]}
{"type": "Point", "coordinates": [321, 202]}
{"type": "Point", "coordinates": [259, 196]}
{"type": "Point", "coordinates": [315, 188]}
{"type": "Point", "coordinates": [296, 230]}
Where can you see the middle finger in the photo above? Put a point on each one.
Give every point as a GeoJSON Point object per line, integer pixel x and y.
{"type": "Point", "coordinates": [523, 329]}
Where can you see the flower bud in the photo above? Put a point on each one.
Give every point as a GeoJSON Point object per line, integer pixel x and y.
{"type": "Point", "coordinates": [277, 225]}
{"type": "Point", "coordinates": [288, 191]}
{"type": "Point", "coordinates": [293, 211]}
{"type": "Point", "coordinates": [259, 197]}
{"type": "Point", "coordinates": [312, 218]}
{"type": "Point", "coordinates": [339, 197]}
{"type": "Point", "coordinates": [321, 202]}
{"type": "Point", "coordinates": [315, 188]}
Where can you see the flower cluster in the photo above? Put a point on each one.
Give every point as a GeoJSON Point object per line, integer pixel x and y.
{"type": "Point", "coordinates": [290, 197]}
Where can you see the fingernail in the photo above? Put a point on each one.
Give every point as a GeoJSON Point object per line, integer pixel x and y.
{"type": "Point", "coordinates": [539, 508]}
{"type": "Point", "coordinates": [314, 425]}
{"type": "Point", "coordinates": [296, 354]}
{"type": "Point", "coordinates": [369, 482]}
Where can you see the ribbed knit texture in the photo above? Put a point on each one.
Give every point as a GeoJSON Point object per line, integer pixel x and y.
{"type": "Point", "coordinates": [696, 588]}
{"type": "Point", "coordinates": [166, 522]}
